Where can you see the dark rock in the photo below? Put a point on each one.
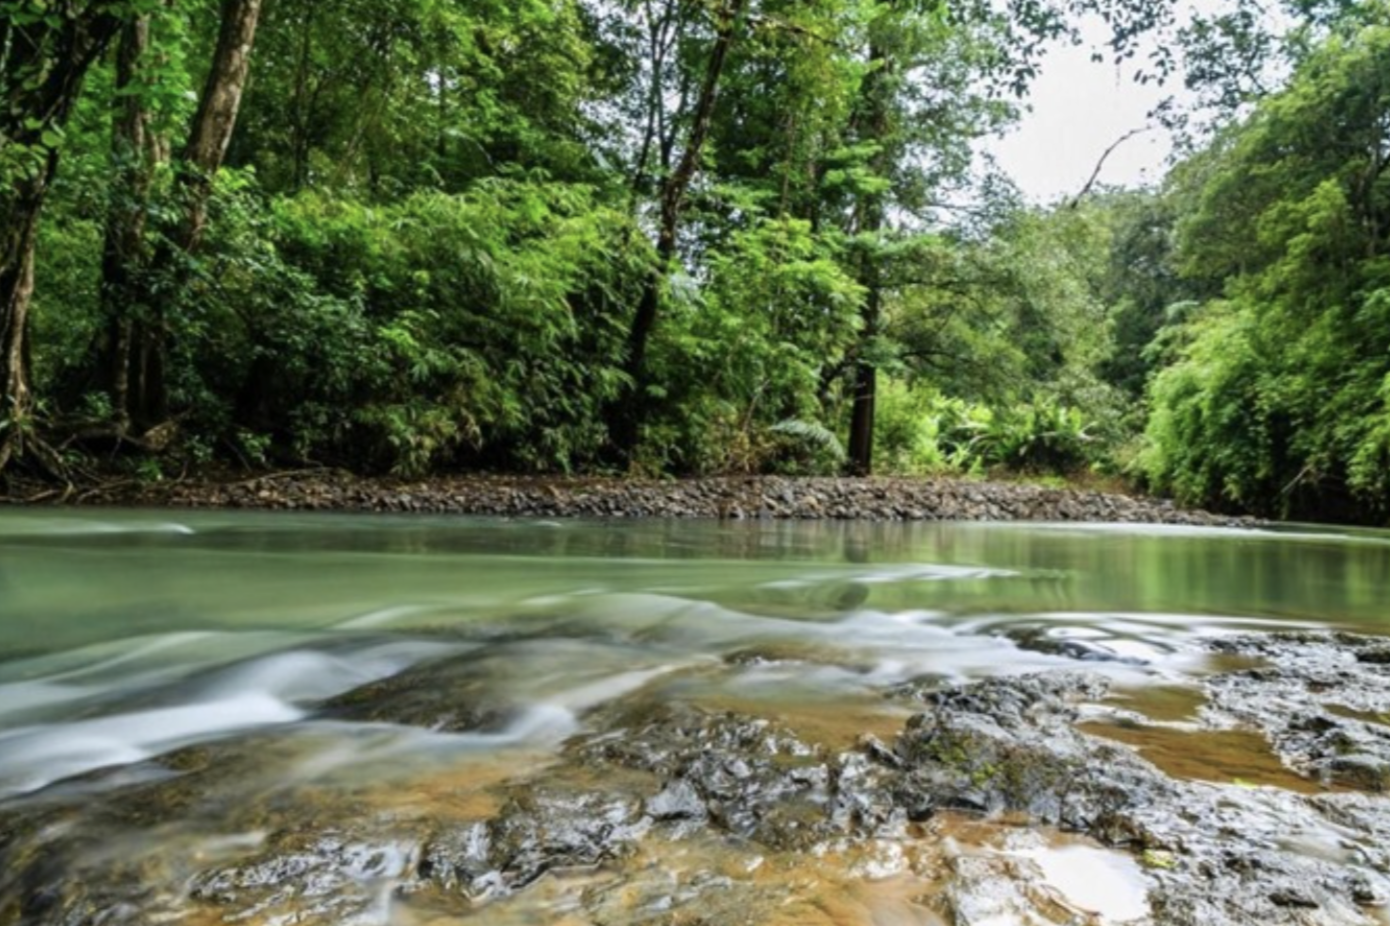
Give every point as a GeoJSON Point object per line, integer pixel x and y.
{"type": "Point", "coordinates": [733, 498]}
{"type": "Point", "coordinates": [751, 779]}
{"type": "Point", "coordinates": [1009, 745]}
{"type": "Point", "coordinates": [538, 831]}
{"type": "Point", "coordinates": [1369, 773]}
{"type": "Point", "coordinates": [1040, 641]}
{"type": "Point", "coordinates": [453, 695]}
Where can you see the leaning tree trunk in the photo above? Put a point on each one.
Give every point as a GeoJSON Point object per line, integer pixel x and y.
{"type": "Point", "coordinates": [217, 114]}
{"type": "Point", "coordinates": [42, 66]}
{"type": "Point", "coordinates": [626, 426]}
{"type": "Point", "coordinates": [198, 164]}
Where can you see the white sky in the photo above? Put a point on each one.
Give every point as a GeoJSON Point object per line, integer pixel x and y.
{"type": "Point", "coordinates": [1080, 108]}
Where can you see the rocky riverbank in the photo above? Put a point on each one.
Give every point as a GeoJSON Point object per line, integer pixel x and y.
{"type": "Point", "coordinates": [662, 812]}
{"type": "Point", "coordinates": [879, 499]}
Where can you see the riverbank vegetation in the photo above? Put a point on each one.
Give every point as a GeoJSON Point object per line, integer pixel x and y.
{"type": "Point", "coordinates": [666, 237]}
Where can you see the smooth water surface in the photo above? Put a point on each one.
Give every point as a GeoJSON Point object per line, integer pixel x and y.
{"type": "Point", "coordinates": [124, 636]}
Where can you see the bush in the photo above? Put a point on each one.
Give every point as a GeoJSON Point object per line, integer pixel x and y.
{"type": "Point", "coordinates": [740, 360]}
{"type": "Point", "coordinates": [497, 319]}
{"type": "Point", "coordinates": [920, 431]}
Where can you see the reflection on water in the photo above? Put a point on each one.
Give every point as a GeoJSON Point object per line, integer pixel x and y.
{"type": "Point", "coordinates": [128, 636]}
{"type": "Point", "coordinates": [1223, 756]}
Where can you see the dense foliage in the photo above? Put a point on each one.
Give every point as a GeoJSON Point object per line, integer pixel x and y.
{"type": "Point", "coordinates": [665, 237]}
{"type": "Point", "coordinates": [1276, 394]}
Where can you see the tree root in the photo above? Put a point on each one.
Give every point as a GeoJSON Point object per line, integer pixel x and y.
{"type": "Point", "coordinates": [35, 457]}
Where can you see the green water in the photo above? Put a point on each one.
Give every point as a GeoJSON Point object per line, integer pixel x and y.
{"type": "Point", "coordinates": [104, 612]}
{"type": "Point", "coordinates": [72, 579]}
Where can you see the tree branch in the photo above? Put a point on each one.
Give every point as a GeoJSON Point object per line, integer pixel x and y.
{"type": "Point", "coordinates": [1100, 165]}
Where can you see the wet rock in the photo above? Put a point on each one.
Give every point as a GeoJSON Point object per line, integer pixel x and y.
{"type": "Point", "coordinates": [1040, 641]}
{"type": "Point", "coordinates": [41, 883]}
{"type": "Point", "coordinates": [669, 773]}
{"type": "Point", "coordinates": [1374, 654]}
{"type": "Point", "coordinates": [537, 832]}
{"type": "Point", "coordinates": [670, 738]}
{"type": "Point", "coordinates": [1009, 747]}
{"type": "Point", "coordinates": [1018, 702]}
{"type": "Point", "coordinates": [750, 778]}
{"type": "Point", "coordinates": [1313, 702]}
{"type": "Point", "coordinates": [679, 800]}
{"type": "Point", "coordinates": [862, 796]}
{"type": "Point", "coordinates": [452, 695]}
{"type": "Point", "coordinates": [109, 847]}
{"type": "Point", "coordinates": [656, 896]}
{"type": "Point", "coordinates": [987, 890]}
{"type": "Point", "coordinates": [747, 777]}
{"type": "Point", "coordinates": [784, 652]}
{"type": "Point", "coordinates": [1367, 772]}
{"type": "Point", "coordinates": [327, 877]}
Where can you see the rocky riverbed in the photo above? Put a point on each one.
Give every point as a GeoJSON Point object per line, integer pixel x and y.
{"type": "Point", "coordinates": [879, 499]}
{"type": "Point", "coordinates": [666, 810]}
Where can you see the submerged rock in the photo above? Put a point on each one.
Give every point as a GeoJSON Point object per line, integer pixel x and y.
{"type": "Point", "coordinates": [1041, 641]}
{"type": "Point", "coordinates": [454, 694]}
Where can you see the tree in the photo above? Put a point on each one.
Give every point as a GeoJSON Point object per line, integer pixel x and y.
{"type": "Point", "coordinates": [939, 77]}
{"type": "Point", "coordinates": [1277, 400]}
{"type": "Point", "coordinates": [728, 23]}
{"type": "Point", "coordinates": [46, 51]}
{"type": "Point", "coordinates": [138, 368]}
{"type": "Point", "coordinates": [513, 234]}
{"type": "Point", "coordinates": [134, 152]}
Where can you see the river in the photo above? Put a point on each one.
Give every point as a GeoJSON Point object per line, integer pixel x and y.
{"type": "Point", "coordinates": [187, 690]}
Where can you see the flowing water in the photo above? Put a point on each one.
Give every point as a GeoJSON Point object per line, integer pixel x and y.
{"type": "Point", "coordinates": [129, 636]}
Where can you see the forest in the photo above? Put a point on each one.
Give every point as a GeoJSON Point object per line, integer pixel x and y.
{"type": "Point", "coordinates": [675, 237]}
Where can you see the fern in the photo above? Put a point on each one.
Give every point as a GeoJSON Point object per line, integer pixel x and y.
{"type": "Point", "coordinates": [812, 434]}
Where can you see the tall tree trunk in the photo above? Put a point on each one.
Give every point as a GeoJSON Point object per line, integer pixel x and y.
{"type": "Point", "coordinates": [871, 218]}
{"type": "Point", "coordinates": [199, 162]}
{"type": "Point", "coordinates": [865, 399]}
{"type": "Point", "coordinates": [133, 154]}
{"type": "Point", "coordinates": [217, 114]}
{"type": "Point", "coordinates": [42, 67]}
{"type": "Point", "coordinates": [302, 101]}
{"type": "Point", "coordinates": [16, 290]}
{"type": "Point", "coordinates": [626, 428]}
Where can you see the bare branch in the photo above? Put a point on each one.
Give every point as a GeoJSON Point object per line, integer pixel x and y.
{"type": "Point", "coordinates": [1100, 165]}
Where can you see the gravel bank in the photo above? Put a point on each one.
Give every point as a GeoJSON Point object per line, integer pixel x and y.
{"type": "Point", "coordinates": [883, 499]}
